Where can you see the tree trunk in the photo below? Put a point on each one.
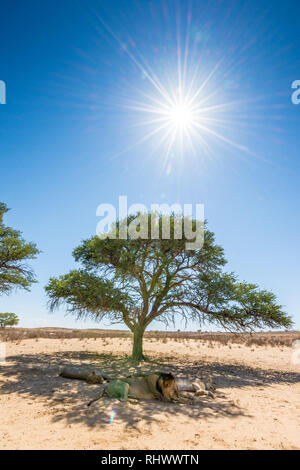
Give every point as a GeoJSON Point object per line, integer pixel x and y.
{"type": "Point", "coordinates": [137, 350]}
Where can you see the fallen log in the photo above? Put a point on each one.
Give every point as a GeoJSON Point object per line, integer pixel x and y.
{"type": "Point", "coordinates": [89, 376]}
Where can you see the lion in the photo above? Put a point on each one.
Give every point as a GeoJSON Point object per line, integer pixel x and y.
{"type": "Point", "coordinates": [161, 386]}
{"type": "Point", "coordinates": [199, 387]}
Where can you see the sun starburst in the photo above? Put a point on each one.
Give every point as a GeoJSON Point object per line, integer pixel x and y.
{"type": "Point", "coordinates": [180, 118]}
{"type": "Point", "coordinates": [182, 107]}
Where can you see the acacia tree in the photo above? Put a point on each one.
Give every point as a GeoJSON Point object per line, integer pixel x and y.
{"type": "Point", "coordinates": [14, 254]}
{"type": "Point", "coordinates": [8, 319]}
{"type": "Point", "coordinates": [137, 280]}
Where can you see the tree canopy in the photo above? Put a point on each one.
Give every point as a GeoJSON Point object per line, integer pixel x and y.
{"type": "Point", "coordinates": [14, 254]}
{"type": "Point", "coordinates": [8, 319]}
{"type": "Point", "coordinates": [137, 280]}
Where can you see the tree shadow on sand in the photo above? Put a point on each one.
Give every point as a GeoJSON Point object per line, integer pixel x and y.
{"type": "Point", "coordinates": [37, 376]}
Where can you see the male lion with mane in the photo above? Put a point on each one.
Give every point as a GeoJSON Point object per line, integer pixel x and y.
{"type": "Point", "coordinates": [160, 386]}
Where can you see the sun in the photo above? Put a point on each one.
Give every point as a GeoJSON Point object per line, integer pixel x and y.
{"type": "Point", "coordinates": [174, 115]}
{"type": "Point", "coordinates": [185, 107]}
{"type": "Point", "coordinates": [181, 116]}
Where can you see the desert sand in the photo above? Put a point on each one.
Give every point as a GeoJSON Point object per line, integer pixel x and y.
{"type": "Point", "coordinates": [257, 404]}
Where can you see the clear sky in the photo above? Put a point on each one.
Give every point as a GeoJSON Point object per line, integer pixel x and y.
{"type": "Point", "coordinates": [80, 128]}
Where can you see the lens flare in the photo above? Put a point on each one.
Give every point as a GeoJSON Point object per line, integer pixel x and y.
{"type": "Point", "coordinates": [112, 416]}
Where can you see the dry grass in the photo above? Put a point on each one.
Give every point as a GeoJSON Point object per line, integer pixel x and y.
{"type": "Point", "coordinates": [277, 338]}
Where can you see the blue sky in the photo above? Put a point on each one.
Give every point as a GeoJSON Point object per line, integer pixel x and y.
{"type": "Point", "coordinates": [69, 133]}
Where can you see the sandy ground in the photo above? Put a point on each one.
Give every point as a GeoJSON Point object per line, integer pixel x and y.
{"type": "Point", "coordinates": [257, 405]}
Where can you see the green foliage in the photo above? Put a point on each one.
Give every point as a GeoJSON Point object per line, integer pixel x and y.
{"type": "Point", "coordinates": [86, 293]}
{"type": "Point", "coordinates": [14, 252]}
{"type": "Point", "coordinates": [137, 281]}
{"type": "Point", "coordinates": [8, 319]}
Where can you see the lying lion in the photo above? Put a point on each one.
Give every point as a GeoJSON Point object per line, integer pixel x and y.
{"type": "Point", "coordinates": [160, 386]}
{"type": "Point", "coordinates": [156, 386]}
{"type": "Point", "coordinates": [199, 387]}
